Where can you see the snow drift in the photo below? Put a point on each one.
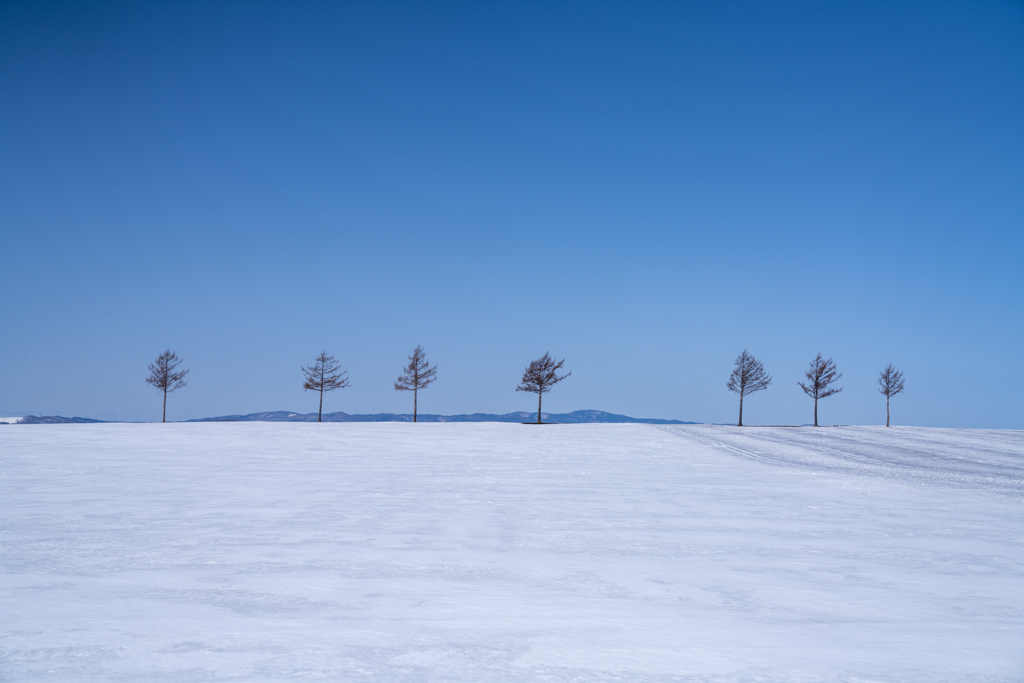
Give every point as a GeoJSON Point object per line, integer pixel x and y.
{"type": "Point", "coordinates": [474, 552]}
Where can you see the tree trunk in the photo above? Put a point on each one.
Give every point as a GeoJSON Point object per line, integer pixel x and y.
{"type": "Point", "coordinates": [886, 411]}
{"type": "Point", "coordinates": [815, 411]}
{"type": "Point", "coordinates": [415, 401]}
{"type": "Point", "coordinates": [540, 395]}
{"type": "Point", "coordinates": [740, 423]}
{"type": "Point", "coordinates": [320, 410]}
{"type": "Point", "coordinates": [164, 418]}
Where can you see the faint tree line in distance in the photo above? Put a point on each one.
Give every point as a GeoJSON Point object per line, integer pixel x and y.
{"type": "Point", "coordinates": [748, 377]}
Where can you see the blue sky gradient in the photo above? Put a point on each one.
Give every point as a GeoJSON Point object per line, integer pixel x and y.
{"type": "Point", "coordinates": [643, 189]}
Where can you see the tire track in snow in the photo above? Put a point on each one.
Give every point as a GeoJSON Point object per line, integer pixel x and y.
{"type": "Point", "coordinates": [785, 463]}
{"type": "Point", "coordinates": [724, 446]}
{"type": "Point", "coordinates": [922, 470]}
{"type": "Point", "coordinates": [926, 465]}
{"type": "Point", "coordinates": [927, 453]}
{"type": "Point", "coordinates": [816, 448]}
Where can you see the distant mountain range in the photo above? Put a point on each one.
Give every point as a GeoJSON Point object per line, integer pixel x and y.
{"type": "Point", "coordinates": [55, 420]}
{"type": "Point", "coordinates": [576, 417]}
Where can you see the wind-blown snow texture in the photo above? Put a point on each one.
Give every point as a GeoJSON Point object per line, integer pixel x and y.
{"type": "Point", "coordinates": [475, 552]}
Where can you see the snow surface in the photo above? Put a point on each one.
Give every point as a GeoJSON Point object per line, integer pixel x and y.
{"type": "Point", "coordinates": [479, 552]}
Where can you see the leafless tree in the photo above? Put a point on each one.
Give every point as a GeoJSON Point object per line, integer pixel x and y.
{"type": "Point", "coordinates": [540, 376]}
{"type": "Point", "coordinates": [890, 383]}
{"type": "Point", "coordinates": [165, 376]}
{"type": "Point", "coordinates": [325, 374]}
{"type": "Point", "coordinates": [418, 374]}
{"type": "Point", "coordinates": [747, 377]}
{"type": "Point", "coordinates": [820, 378]}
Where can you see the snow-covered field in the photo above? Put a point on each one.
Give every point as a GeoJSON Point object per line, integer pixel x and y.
{"type": "Point", "coordinates": [479, 552]}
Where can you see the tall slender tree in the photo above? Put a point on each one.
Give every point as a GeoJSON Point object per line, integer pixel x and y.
{"type": "Point", "coordinates": [540, 376]}
{"type": "Point", "coordinates": [418, 374]}
{"type": "Point", "coordinates": [890, 383]}
{"type": "Point", "coordinates": [325, 374]}
{"type": "Point", "coordinates": [820, 377]}
{"type": "Point", "coordinates": [747, 377]}
{"type": "Point", "coordinates": [165, 376]}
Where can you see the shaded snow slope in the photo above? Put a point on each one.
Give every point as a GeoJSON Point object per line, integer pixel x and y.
{"type": "Point", "coordinates": [477, 552]}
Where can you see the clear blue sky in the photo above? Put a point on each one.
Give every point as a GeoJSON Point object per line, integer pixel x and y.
{"type": "Point", "coordinates": [642, 188]}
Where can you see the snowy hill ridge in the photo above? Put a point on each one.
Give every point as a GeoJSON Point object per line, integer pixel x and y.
{"type": "Point", "coordinates": [496, 552]}
{"type": "Point", "coordinates": [575, 417]}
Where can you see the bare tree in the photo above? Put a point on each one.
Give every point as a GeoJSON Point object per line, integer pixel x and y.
{"type": "Point", "coordinates": [325, 374]}
{"type": "Point", "coordinates": [418, 374]}
{"type": "Point", "coordinates": [820, 378]}
{"type": "Point", "coordinates": [890, 383]}
{"type": "Point", "coordinates": [747, 377]}
{"type": "Point", "coordinates": [165, 376]}
{"type": "Point", "coordinates": [540, 376]}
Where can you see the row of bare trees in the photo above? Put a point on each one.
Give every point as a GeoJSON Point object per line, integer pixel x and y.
{"type": "Point", "coordinates": [165, 376]}
{"type": "Point", "coordinates": [749, 376]}
{"type": "Point", "coordinates": [326, 375]}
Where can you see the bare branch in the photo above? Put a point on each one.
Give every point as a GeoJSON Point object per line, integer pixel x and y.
{"type": "Point", "coordinates": [325, 374]}
{"type": "Point", "coordinates": [540, 376]}
{"type": "Point", "coordinates": [165, 376]}
{"type": "Point", "coordinates": [890, 381]}
{"type": "Point", "coordinates": [747, 377]}
{"type": "Point", "coordinates": [418, 374]}
{"type": "Point", "coordinates": [163, 372]}
{"type": "Point", "coordinates": [820, 377]}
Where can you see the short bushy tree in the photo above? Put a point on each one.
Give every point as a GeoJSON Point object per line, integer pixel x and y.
{"type": "Point", "coordinates": [418, 374]}
{"type": "Point", "coordinates": [540, 376]}
{"type": "Point", "coordinates": [165, 376]}
{"type": "Point", "coordinates": [890, 383]}
{"type": "Point", "coordinates": [820, 377]}
{"type": "Point", "coordinates": [325, 374]}
{"type": "Point", "coordinates": [747, 377]}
